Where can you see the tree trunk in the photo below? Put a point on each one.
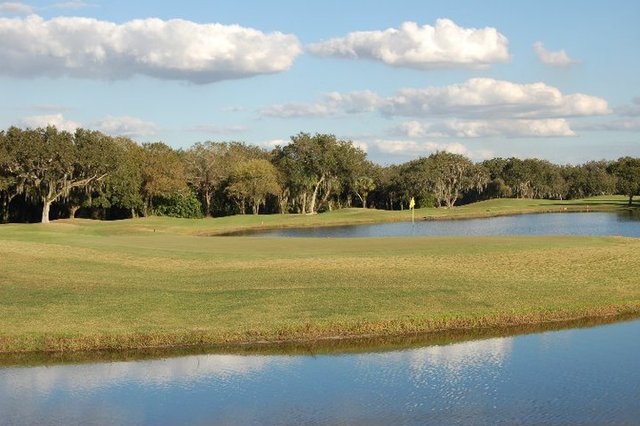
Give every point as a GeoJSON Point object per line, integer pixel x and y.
{"type": "Point", "coordinates": [630, 200]}
{"type": "Point", "coordinates": [45, 211]}
{"type": "Point", "coordinates": [207, 203]}
{"type": "Point", "coordinates": [133, 213]}
{"type": "Point", "coordinates": [72, 211]}
{"type": "Point", "coordinates": [5, 207]}
{"type": "Point", "coordinates": [145, 207]}
{"type": "Point", "coordinates": [312, 208]}
{"type": "Point", "coordinates": [255, 208]}
{"type": "Point", "coordinates": [304, 203]}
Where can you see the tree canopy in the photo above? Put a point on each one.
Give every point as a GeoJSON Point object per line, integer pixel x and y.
{"type": "Point", "coordinates": [46, 173]}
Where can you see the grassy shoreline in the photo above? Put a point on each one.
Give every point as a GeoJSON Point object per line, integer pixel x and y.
{"type": "Point", "coordinates": [317, 334]}
{"type": "Point", "coordinates": [149, 283]}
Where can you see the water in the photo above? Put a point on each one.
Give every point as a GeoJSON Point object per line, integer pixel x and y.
{"type": "Point", "coordinates": [528, 224]}
{"type": "Point", "coordinates": [578, 376]}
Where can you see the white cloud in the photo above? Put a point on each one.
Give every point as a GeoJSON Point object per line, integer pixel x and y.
{"type": "Point", "coordinates": [354, 102]}
{"type": "Point", "coordinates": [444, 45]}
{"type": "Point", "coordinates": [332, 103]}
{"type": "Point", "coordinates": [116, 126]}
{"type": "Point", "coordinates": [174, 49]}
{"type": "Point", "coordinates": [361, 144]}
{"type": "Point", "coordinates": [558, 59]}
{"type": "Point", "coordinates": [56, 120]}
{"type": "Point", "coordinates": [295, 110]}
{"type": "Point", "coordinates": [414, 147]}
{"type": "Point", "coordinates": [272, 143]}
{"type": "Point", "coordinates": [630, 110]}
{"type": "Point", "coordinates": [483, 97]}
{"type": "Point", "coordinates": [411, 148]}
{"type": "Point", "coordinates": [485, 128]}
{"type": "Point", "coordinates": [621, 125]}
{"type": "Point", "coordinates": [217, 130]}
{"type": "Point", "coordinates": [479, 98]}
{"type": "Point", "coordinates": [125, 126]}
{"type": "Point", "coordinates": [74, 4]}
{"type": "Point", "coordinates": [15, 7]}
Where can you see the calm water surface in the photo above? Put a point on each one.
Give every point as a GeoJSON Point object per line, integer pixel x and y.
{"type": "Point", "coordinates": [579, 376]}
{"type": "Point", "coordinates": [527, 224]}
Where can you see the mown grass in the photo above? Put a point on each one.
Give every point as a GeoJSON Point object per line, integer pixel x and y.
{"type": "Point", "coordinates": [76, 285]}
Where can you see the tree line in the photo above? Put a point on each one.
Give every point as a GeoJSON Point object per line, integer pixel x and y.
{"type": "Point", "coordinates": [46, 173]}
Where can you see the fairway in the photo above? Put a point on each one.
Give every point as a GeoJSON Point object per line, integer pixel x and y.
{"type": "Point", "coordinates": [154, 282]}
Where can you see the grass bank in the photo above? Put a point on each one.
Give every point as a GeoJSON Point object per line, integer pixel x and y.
{"type": "Point", "coordinates": [83, 285]}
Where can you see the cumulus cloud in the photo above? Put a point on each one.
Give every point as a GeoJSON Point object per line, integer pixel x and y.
{"type": "Point", "coordinates": [413, 148]}
{"type": "Point", "coordinates": [57, 120]}
{"type": "Point", "coordinates": [444, 45]}
{"type": "Point", "coordinates": [272, 143]}
{"type": "Point", "coordinates": [116, 126]}
{"type": "Point", "coordinates": [125, 126]}
{"type": "Point", "coordinates": [15, 7]}
{"type": "Point", "coordinates": [485, 128]}
{"type": "Point", "coordinates": [482, 97]}
{"type": "Point", "coordinates": [333, 103]}
{"type": "Point", "coordinates": [479, 98]}
{"type": "Point", "coordinates": [174, 49]}
{"type": "Point", "coordinates": [361, 144]}
{"type": "Point", "coordinates": [627, 120]}
{"type": "Point", "coordinates": [620, 125]}
{"type": "Point", "coordinates": [558, 59]}
{"type": "Point", "coordinates": [296, 110]}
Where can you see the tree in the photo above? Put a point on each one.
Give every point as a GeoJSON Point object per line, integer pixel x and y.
{"type": "Point", "coordinates": [517, 175]}
{"type": "Point", "coordinates": [251, 182]}
{"type": "Point", "coordinates": [96, 152]}
{"type": "Point", "coordinates": [296, 180]}
{"type": "Point", "coordinates": [415, 179]}
{"type": "Point", "coordinates": [363, 186]}
{"type": "Point", "coordinates": [452, 174]}
{"type": "Point", "coordinates": [162, 173]}
{"type": "Point", "coordinates": [320, 161]}
{"type": "Point", "coordinates": [52, 163]}
{"type": "Point", "coordinates": [627, 170]}
{"type": "Point", "coordinates": [11, 184]}
{"type": "Point", "coordinates": [589, 179]}
{"type": "Point", "coordinates": [182, 204]}
{"type": "Point", "coordinates": [122, 188]}
{"type": "Point", "coordinates": [205, 169]}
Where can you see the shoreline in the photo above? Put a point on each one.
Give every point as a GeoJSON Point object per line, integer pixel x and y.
{"type": "Point", "coordinates": [456, 215]}
{"type": "Point", "coordinates": [501, 322]}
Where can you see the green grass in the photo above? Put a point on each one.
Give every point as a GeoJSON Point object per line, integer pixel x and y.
{"type": "Point", "coordinates": [75, 285]}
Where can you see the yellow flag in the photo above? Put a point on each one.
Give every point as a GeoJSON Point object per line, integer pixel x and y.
{"type": "Point", "coordinates": [412, 203]}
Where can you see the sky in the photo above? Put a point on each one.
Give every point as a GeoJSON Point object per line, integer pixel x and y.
{"type": "Point", "coordinates": [401, 79]}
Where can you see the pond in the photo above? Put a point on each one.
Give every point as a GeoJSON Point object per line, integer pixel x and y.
{"type": "Point", "coordinates": [576, 376]}
{"type": "Point", "coordinates": [623, 224]}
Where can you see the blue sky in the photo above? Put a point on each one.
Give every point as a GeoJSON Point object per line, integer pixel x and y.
{"type": "Point", "coordinates": [546, 79]}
